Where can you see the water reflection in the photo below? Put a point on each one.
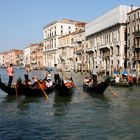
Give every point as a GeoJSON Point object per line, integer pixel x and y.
{"type": "Point", "coordinates": [61, 105]}
{"type": "Point", "coordinates": [25, 104]}
{"type": "Point", "coordinates": [81, 116]}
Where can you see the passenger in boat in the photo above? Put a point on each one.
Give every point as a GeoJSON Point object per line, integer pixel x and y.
{"type": "Point", "coordinates": [117, 78]}
{"type": "Point", "coordinates": [10, 72]}
{"type": "Point", "coordinates": [94, 74]}
{"type": "Point", "coordinates": [49, 83]}
{"type": "Point", "coordinates": [88, 81]}
{"type": "Point", "coordinates": [130, 79]}
{"type": "Point", "coordinates": [32, 82]}
{"type": "Point", "coordinates": [68, 82]}
{"type": "Point", "coordinates": [47, 77]}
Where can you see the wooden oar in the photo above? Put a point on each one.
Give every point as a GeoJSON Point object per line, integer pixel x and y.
{"type": "Point", "coordinates": [43, 90]}
{"type": "Point", "coordinates": [16, 90]}
{"type": "Point", "coordinates": [114, 93]}
{"type": "Point", "coordinates": [79, 90]}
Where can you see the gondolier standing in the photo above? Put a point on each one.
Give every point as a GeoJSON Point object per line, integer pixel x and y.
{"type": "Point", "coordinates": [94, 74]}
{"type": "Point", "coordinates": [10, 72]}
{"type": "Point", "coordinates": [26, 75]}
{"type": "Point", "coordinates": [56, 74]}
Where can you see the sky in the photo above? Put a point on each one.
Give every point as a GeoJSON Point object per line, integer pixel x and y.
{"type": "Point", "coordinates": [22, 21]}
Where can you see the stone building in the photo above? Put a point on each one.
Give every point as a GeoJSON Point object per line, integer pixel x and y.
{"type": "Point", "coordinates": [52, 32]}
{"type": "Point", "coordinates": [72, 51]}
{"type": "Point", "coordinates": [106, 37]}
{"type": "Point", "coordinates": [133, 40]}
{"type": "Point", "coordinates": [13, 56]}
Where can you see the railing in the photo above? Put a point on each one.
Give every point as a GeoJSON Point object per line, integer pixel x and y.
{"type": "Point", "coordinates": [136, 46]}
{"type": "Point", "coordinates": [136, 58]}
{"type": "Point", "coordinates": [137, 33]}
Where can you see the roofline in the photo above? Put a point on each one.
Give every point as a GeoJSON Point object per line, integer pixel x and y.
{"type": "Point", "coordinates": [117, 24]}
{"type": "Point", "coordinates": [133, 11]}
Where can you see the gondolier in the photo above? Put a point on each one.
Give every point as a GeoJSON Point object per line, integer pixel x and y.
{"type": "Point", "coordinates": [10, 72]}
{"type": "Point", "coordinates": [94, 74]}
{"type": "Point", "coordinates": [26, 75]}
{"type": "Point", "coordinates": [56, 74]}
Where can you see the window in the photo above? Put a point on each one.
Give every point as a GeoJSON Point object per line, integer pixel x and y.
{"type": "Point", "coordinates": [138, 15]}
{"type": "Point", "coordinates": [138, 27]}
{"type": "Point", "coordinates": [118, 50]}
{"type": "Point", "coordinates": [111, 51]}
{"type": "Point", "coordinates": [128, 20]}
{"type": "Point", "coordinates": [128, 43]}
{"type": "Point", "coordinates": [134, 28]}
{"type": "Point", "coordinates": [134, 17]}
{"type": "Point", "coordinates": [61, 32]}
{"type": "Point", "coordinates": [128, 31]}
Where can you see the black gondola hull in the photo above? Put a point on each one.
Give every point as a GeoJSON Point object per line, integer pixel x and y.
{"type": "Point", "coordinates": [24, 90]}
{"type": "Point", "coordinates": [62, 90]}
{"type": "Point", "coordinates": [97, 89]}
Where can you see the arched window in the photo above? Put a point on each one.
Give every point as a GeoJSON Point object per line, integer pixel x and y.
{"type": "Point", "coordinates": [111, 51]}
{"type": "Point", "coordinates": [118, 50]}
{"type": "Point", "coordinates": [95, 53]}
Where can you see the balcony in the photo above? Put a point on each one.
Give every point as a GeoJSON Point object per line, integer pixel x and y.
{"type": "Point", "coordinates": [136, 47]}
{"type": "Point", "coordinates": [89, 50]}
{"type": "Point", "coordinates": [106, 55]}
{"type": "Point", "coordinates": [79, 62]}
{"type": "Point", "coordinates": [104, 46]}
{"type": "Point", "coordinates": [63, 46]}
{"type": "Point", "coordinates": [136, 58]}
{"type": "Point", "coordinates": [137, 33]}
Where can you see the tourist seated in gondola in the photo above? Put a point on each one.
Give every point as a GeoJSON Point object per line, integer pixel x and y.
{"type": "Point", "coordinates": [130, 80]}
{"type": "Point", "coordinates": [117, 78]}
{"type": "Point", "coordinates": [47, 77]}
{"type": "Point", "coordinates": [68, 82]}
{"type": "Point", "coordinates": [88, 81]}
{"type": "Point", "coordinates": [32, 82]}
{"type": "Point", "coordinates": [48, 80]}
{"type": "Point", "coordinates": [49, 83]}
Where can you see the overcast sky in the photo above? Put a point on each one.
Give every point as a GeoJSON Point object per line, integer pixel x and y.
{"type": "Point", "coordinates": [22, 21]}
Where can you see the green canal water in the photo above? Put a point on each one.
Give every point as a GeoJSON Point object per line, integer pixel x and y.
{"type": "Point", "coordinates": [79, 117]}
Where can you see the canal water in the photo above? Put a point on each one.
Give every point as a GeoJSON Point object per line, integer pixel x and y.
{"type": "Point", "coordinates": [79, 117]}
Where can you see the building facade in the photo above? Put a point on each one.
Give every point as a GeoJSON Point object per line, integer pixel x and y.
{"type": "Point", "coordinates": [106, 37]}
{"type": "Point", "coordinates": [52, 32]}
{"type": "Point", "coordinates": [133, 40]}
{"type": "Point", "coordinates": [13, 56]}
{"type": "Point", "coordinates": [33, 56]}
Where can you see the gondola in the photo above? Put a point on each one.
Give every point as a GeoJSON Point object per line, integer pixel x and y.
{"type": "Point", "coordinates": [121, 84]}
{"type": "Point", "coordinates": [63, 90]}
{"type": "Point", "coordinates": [98, 88]}
{"type": "Point", "coordinates": [22, 89]}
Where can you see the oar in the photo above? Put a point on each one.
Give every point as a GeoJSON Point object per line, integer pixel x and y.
{"type": "Point", "coordinates": [43, 90]}
{"type": "Point", "coordinates": [16, 90]}
{"type": "Point", "coordinates": [79, 90]}
{"type": "Point", "coordinates": [114, 93]}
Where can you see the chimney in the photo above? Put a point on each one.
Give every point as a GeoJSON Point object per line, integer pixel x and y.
{"type": "Point", "coordinates": [131, 8]}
